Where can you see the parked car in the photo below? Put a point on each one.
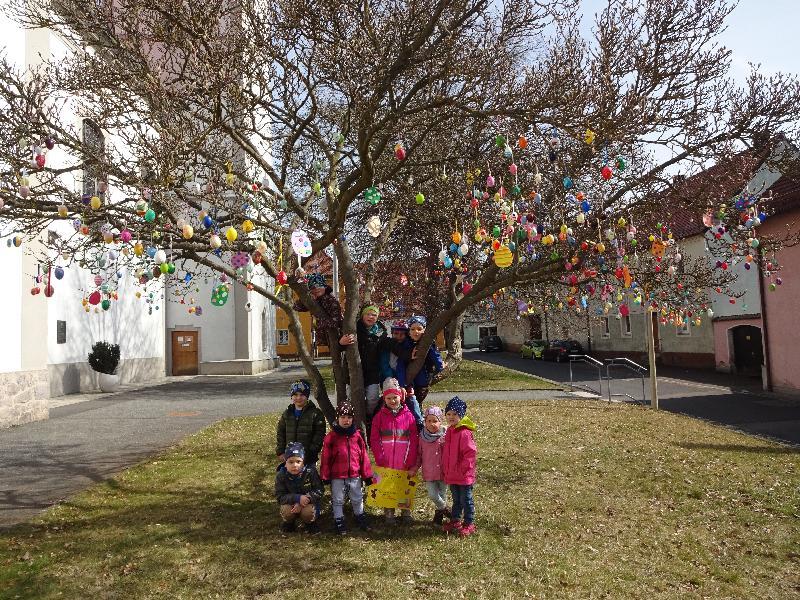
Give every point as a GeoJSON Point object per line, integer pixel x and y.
{"type": "Point", "coordinates": [490, 343]}
{"type": "Point", "coordinates": [532, 349]}
{"type": "Point", "coordinates": [559, 350]}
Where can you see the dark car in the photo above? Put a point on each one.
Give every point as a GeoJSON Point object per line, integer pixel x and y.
{"type": "Point", "coordinates": [559, 350]}
{"type": "Point", "coordinates": [490, 343]}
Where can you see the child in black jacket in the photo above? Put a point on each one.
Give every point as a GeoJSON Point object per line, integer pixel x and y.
{"type": "Point", "coordinates": [298, 490]}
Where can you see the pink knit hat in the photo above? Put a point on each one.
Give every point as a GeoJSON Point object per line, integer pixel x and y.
{"type": "Point", "coordinates": [435, 411]}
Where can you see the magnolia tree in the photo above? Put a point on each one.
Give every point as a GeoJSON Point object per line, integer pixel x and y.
{"type": "Point", "coordinates": [478, 145]}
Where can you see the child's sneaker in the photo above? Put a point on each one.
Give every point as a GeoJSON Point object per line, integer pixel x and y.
{"type": "Point", "coordinates": [363, 522]}
{"type": "Point", "coordinates": [467, 530]}
{"type": "Point", "coordinates": [452, 526]}
{"type": "Point", "coordinates": [312, 528]}
{"type": "Point", "coordinates": [406, 520]}
{"type": "Point", "coordinates": [438, 517]}
{"type": "Point", "coordinates": [341, 526]}
{"type": "Point", "coordinates": [288, 527]}
{"type": "Point", "coordinates": [391, 521]}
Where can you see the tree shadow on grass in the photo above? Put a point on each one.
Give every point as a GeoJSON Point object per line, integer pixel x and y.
{"type": "Point", "coordinates": [740, 448]}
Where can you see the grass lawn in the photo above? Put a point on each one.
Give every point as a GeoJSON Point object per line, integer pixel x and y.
{"type": "Point", "coordinates": [574, 500]}
{"type": "Point", "coordinates": [475, 376]}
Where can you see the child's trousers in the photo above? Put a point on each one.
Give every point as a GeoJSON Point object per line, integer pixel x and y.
{"type": "Point", "coordinates": [463, 502]}
{"type": "Point", "coordinates": [351, 486]}
{"type": "Point", "coordinates": [307, 514]}
{"type": "Point", "coordinates": [437, 492]}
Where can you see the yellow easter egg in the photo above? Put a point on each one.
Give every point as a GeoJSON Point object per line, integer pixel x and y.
{"type": "Point", "coordinates": [248, 226]}
{"type": "Point", "coordinates": [95, 202]}
{"type": "Point", "coordinates": [231, 234]}
{"type": "Point", "coordinates": [503, 257]}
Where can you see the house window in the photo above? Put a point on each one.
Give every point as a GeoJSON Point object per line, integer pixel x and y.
{"type": "Point", "coordinates": [61, 332]}
{"type": "Point", "coordinates": [264, 331]}
{"type": "Point", "coordinates": [487, 331]}
{"type": "Point", "coordinates": [283, 337]}
{"type": "Point", "coordinates": [683, 329]}
{"type": "Point", "coordinates": [95, 143]}
{"type": "Point", "coordinates": [626, 326]}
{"type": "Point", "coordinates": [606, 330]}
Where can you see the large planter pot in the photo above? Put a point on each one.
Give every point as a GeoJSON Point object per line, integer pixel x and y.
{"type": "Point", "coordinates": [108, 383]}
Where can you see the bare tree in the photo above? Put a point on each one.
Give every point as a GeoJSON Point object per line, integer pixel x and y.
{"type": "Point", "coordinates": [238, 124]}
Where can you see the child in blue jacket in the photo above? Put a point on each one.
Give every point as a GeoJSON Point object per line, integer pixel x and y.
{"type": "Point", "coordinates": [406, 353]}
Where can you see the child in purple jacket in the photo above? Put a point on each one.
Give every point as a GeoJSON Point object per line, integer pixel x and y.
{"type": "Point", "coordinates": [431, 443]}
{"type": "Point", "coordinates": [458, 465]}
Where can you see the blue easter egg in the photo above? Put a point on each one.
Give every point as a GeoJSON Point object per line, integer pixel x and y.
{"type": "Point", "coordinates": [207, 222]}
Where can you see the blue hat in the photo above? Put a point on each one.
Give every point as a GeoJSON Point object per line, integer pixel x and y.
{"type": "Point", "coordinates": [294, 450]}
{"type": "Point", "coordinates": [400, 325]}
{"type": "Point", "coordinates": [418, 319]}
{"type": "Point", "coordinates": [316, 280]}
{"type": "Point", "coordinates": [301, 386]}
{"type": "Point", "coordinates": [457, 405]}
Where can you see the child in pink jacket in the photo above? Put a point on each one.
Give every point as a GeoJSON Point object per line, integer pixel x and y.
{"type": "Point", "coordinates": [431, 443]}
{"type": "Point", "coordinates": [458, 464]}
{"type": "Point", "coordinates": [394, 438]}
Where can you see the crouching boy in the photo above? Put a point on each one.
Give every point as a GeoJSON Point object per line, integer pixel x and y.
{"type": "Point", "coordinates": [298, 490]}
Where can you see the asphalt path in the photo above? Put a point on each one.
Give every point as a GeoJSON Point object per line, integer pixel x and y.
{"type": "Point", "coordinates": [43, 462]}
{"type": "Point", "coordinates": [723, 399]}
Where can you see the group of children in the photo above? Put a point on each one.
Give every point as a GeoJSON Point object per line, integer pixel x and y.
{"type": "Point", "coordinates": [444, 448]}
{"type": "Point", "coordinates": [400, 436]}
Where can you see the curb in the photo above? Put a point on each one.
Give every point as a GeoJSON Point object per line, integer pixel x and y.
{"type": "Point", "coordinates": [559, 384]}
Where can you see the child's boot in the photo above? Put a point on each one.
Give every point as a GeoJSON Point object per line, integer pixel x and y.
{"type": "Point", "coordinates": [466, 530]}
{"type": "Point", "coordinates": [389, 516]}
{"type": "Point", "coordinates": [363, 521]}
{"type": "Point", "coordinates": [288, 526]}
{"type": "Point", "coordinates": [312, 528]}
{"type": "Point", "coordinates": [438, 516]}
{"type": "Point", "coordinates": [451, 526]}
{"type": "Point", "coordinates": [341, 526]}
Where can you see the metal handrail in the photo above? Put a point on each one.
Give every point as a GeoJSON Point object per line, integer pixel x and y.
{"type": "Point", "coordinates": [589, 361]}
{"type": "Point", "coordinates": [626, 363]}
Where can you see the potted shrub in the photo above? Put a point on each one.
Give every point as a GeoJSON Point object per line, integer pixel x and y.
{"type": "Point", "coordinates": [104, 358]}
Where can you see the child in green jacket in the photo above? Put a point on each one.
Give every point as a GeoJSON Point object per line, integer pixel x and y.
{"type": "Point", "coordinates": [301, 422]}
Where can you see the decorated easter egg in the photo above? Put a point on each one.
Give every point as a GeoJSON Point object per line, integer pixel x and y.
{"type": "Point", "coordinates": [150, 215]}
{"type": "Point", "coordinates": [503, 256]}
{"type": "Point", "coordinates": [95, 202]}
{"type": "Point", "coordinates": [300, 243]}
{"type": "Point", "coordinates": [214, 241]}
{"type": "Point", "coordinates": [248, 226]}
{"type": "Point", "coordinates": [231, 234]}
{"type": "Point", "coordinates": [606, 172]}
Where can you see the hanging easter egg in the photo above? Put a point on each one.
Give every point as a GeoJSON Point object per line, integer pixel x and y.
{"type": "Point", "coordinates": [59, 272]}
{"type": "Point", "coordinates": [503, 257]}
{"type": "Point", "coordinates": [399, 151]}
{"type": "Point", "coordinates": [247, 226]}
{"type": "Point", "coordinates": [419, 198]}
{"type": "Point", "coordinates": [589, 136]}
{"type": "Point", "coordinates": [466, 287]}
{"type": "Point", "coordinates": [106, 304]}
{"type": "Point", "coordinates": [622, 164]}
{"type": "Point", "coordinates": [62, 211]}
{"type": "Point", "coordinates": [94, 298]}
{"type": "Point", "coordinates": [138, 249]}
{"type": "Point", "coordinates": [606, 172]}
{"type": "Point", "coordinates": [372, 195]}
{"type": "Point", "coordinates": [187, 232]}
{"type": "Point", "coordinates": [160, 257]}
{"type": "Point", "coordinates": [754, 243]}
{"type": "Point", "coordinates": [456, 237]}
{"type": "Point", "coordinates": [35, 291]}
{"type": "Point", "coordinates": [219, 295]}
{"type": "Point", "coordinates": [50, 143]}
{"type": "Point", "coordinates": [300, 243]}
{"type": "Point", "coordinates": [281, 277]}
{"type": "Point", "coordinates": [231, 234]}
{"type": "Point", "coordinates": [490, 181]}
{"type": "Point", "coordinates": [447, 262]}
{"type": "Point", "coordinates": [208, 222]}
{"type": "Point", "coordinates": [374, 226]}
{"type": "Point", "coordinates": [40, 160]}
{"type": "Point", "coordinates": [108, 237]}
{"type": "Point", "coordinates": [24, 191]}
{"type": "Point", "coordinates": [585, 206]}
{"type": "Point", "coordinates": [522, 142]}
{"type": "Point", "coordinates": [567, 182]}
{"type": "Point", "coordinates": [580, 218]}
{"type": "Point", "coordinates": [150, 215]}
{"type": "Point", "coordinates": [215, 241]}
{"type": "Point", "coordinates": [463, 249]}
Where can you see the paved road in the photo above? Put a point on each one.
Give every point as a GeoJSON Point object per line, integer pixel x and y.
{"type": "Point", "coordinates": [43, 462]}
{"type": "Point", "coordinates": [723, 399]}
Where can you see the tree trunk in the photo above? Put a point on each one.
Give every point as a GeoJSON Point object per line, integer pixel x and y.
{"type": "Point", "coordinates": [454, 349]}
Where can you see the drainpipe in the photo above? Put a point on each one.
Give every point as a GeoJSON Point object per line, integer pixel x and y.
{"type": "Point", "coordinates": [767, 385]}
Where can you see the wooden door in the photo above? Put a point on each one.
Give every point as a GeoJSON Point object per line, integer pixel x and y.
{"type": "Point", "coordinates": [184, 353]}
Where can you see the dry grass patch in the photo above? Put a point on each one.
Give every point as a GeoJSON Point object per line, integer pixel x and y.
{"type": "Point", "coordinates": [574, 500]}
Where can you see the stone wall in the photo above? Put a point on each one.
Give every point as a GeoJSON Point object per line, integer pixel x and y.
{"type": "Point", "coordinates": [24, 397]}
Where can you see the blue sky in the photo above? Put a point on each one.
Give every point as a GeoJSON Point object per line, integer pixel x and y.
{"type": "Point", "coordinates": [759, 31]}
